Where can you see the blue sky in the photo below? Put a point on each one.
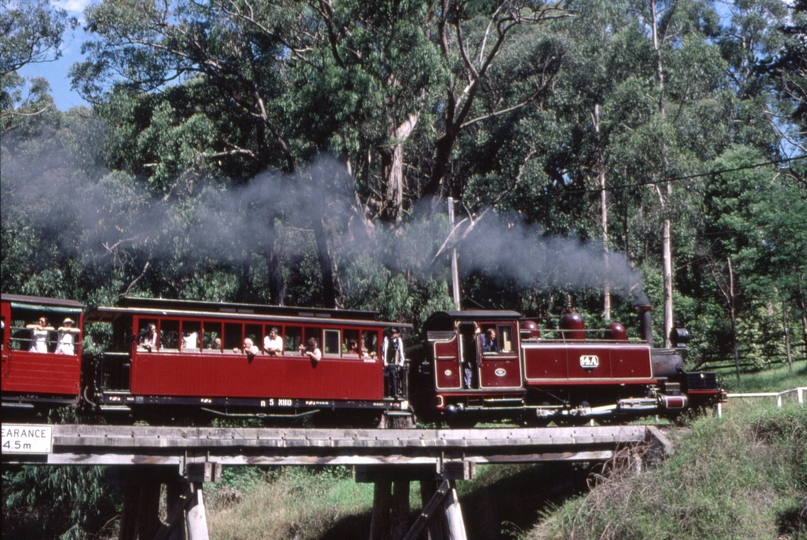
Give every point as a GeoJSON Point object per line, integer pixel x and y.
{"type": "Point", "coordinates": [55, 71]}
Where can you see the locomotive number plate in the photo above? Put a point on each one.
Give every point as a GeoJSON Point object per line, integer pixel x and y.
{"type": "Point", "coordinates": [589, 361]}
{"type": "Point", "coordinates": [27, 439]}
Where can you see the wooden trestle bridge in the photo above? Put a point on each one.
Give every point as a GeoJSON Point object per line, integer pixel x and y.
{"type": "Point", "coordinates": [183, 458]}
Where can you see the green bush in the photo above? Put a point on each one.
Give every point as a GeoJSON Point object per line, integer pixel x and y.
{"type": "Point", "coordinates": [741, 476]}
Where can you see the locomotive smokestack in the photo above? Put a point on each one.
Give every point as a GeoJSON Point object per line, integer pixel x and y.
{"type": "Point", "coordinates": [646, 323]}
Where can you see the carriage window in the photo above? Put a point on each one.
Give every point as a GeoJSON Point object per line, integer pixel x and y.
{"type": "Point", "coordinates": [369, 343]}
{"type": "Point", "coordinates": [169, 334]}
{"type": "Point", "coordinates": [351, 345]}
{"type": "Point", "coordinates": [212, 333]}
{"type": "Point", "coordinates": [253, 332]}
{"type": "Point", "coordinates": [232, 336]}
{"type": "Point", "coordinates": [24, 335]}
{"type": "Point", "coordinates": [146, 339]}
{"type": "Point", "coordinates": [20, 336]}
{"type": "Point", "coordinates": [332, 342]}
{"type": "Point", "coordinates": [313, 333]}
{"type": "Point", "coordinates": [190, 335]}
{"type": "Point", "coordinates": [292, 338]}
{"type": "Point", "coordinates": [506, 340]}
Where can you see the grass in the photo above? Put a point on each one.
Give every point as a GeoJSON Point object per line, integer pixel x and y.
{"type": "Point", "coordinates": [291, 502]}
{"type": "Point", "coordinates": [776, 378]}
{"type": "Point", "coordinates": [740, 476]}
{"type": "Point", "coordinates": [296, 503]}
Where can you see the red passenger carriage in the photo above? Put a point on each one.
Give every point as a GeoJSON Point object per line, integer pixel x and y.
{"type": "Point", "coordinates": [198, 359]}
{"type": "Point", "coordinates": [35, 368]}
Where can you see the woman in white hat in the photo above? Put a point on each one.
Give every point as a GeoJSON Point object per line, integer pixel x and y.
{"type": "Point", "coordinates": [67, 338]}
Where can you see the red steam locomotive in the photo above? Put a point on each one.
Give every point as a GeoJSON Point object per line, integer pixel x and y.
{"type": "Point", "coordinates": [474, 366]}
{"type": "Point", "coordinates": [169, 360]}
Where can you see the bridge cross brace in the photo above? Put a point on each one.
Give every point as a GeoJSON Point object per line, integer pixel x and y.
{"type": "Point", "coordinates": [441, 517]}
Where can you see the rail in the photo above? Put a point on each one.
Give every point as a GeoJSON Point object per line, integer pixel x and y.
{"type": "Point", "coordinates": [799, 391]}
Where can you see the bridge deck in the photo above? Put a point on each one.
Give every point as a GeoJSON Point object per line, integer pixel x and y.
{"type": "Point", "coordinates": [117, 445]}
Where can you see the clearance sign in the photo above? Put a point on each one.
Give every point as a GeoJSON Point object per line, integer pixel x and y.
{"type": "Point", "coordinates": [27, 439]}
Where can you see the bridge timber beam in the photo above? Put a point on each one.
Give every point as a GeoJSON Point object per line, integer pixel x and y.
{"type": "Point", "coordinates": [135, 445]}
{"type": "Point", "coordinates": [184, 458]}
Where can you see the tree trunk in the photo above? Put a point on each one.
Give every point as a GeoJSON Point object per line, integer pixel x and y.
{"type": "Point", "coordinates": [668, 281]}
{"type": "Point", "coordinates": [733, 317]}
{"type": "Point", "coordinates": [803, 307]}
{"type": "Point", "coordinates": [392, 168]}
{"type": "Point", "coordinates": [325, 264]}
{"type": "Point", "coordinates": [443, 148]}
{"type": "Point", "coordinates": [606, 302]}
{"type": "Point", "coordinates": [666, 247]}
{"type": "Point", "coordinates": [277, 287]}
{"type": "Point", "coordinates": [787, 337]}
{"type": "Point", "coordinates": [455, 274]}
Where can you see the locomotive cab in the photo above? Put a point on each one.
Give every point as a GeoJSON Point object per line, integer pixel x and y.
{"type": "Point", "coordinates": [468, 368]}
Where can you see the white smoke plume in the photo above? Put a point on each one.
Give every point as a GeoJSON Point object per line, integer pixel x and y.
{"type": "Point", "coordinates": [204, 219]}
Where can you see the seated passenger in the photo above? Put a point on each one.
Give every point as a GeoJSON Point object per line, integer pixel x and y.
{"type": "Point", "coordinates": [273, 343]}
{"type": "Point", "coordinates": [148, 338]}
{"type": "Point", "coordinates": [216, 344]}
{"type": "Point", "coordinates": [39, 335]}
{"type": "Point", "coordinates": [353, 348]}
{"type": "Point", "coordinates": [311, 350]}
{"type": "Point", "coordinates": [67, 338]}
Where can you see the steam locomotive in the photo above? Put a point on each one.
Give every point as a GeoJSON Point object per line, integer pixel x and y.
{"type": "Point", "coordinates": [172, 360]}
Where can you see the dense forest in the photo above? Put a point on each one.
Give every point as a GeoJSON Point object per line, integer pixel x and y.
{"type": "Point", "coordinates": [305, 153]}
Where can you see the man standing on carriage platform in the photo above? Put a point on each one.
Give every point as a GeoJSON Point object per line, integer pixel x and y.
{"type": "Point", "coordinates": [393, 353]}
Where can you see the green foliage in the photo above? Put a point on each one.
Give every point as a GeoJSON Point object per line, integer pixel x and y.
{"type": "Point", "coordinates": [48, 502]}
{"type": "Point", "coordinates": [738, 477]}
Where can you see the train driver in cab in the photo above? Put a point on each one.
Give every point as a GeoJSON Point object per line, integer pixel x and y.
{"type": "Point", "coordinates": [488, 341]}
